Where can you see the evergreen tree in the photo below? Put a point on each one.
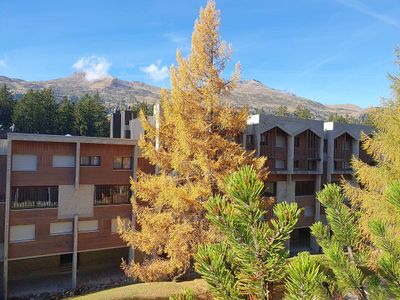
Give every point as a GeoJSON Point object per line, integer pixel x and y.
{"type": "Point", "coordinates": [282, 111]}
{"type": "Point", "coordinates": [65, 117]}
{"type": "Point", "coordinates": [194, 148]}
{"type": "Point", "coordinates": [302, 112]}
{"type": "Point", "coordinates": [338, 118]}
{"type": "Point", "coordinates": [7, 104]}
{"type": "Point", "coordinates": [36, 112]}
{"type": "Point", "coordinates": [305, 279]}
{"type": "Point", "coordinates": [90, 116]}
{"type": "Point", "coordinates": [252, 256]}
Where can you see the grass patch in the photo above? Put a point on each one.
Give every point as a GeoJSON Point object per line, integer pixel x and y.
{"type": "Point", "coordinates": [150, 290]}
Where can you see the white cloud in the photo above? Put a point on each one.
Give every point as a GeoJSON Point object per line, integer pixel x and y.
{"type": "Point", "coordinates": [93, 66]}
{"type": "Point", "coordinates": [155, 71]}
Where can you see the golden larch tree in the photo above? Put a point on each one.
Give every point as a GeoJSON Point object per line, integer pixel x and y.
{"type": "Point", "coordinates": [194, 148]}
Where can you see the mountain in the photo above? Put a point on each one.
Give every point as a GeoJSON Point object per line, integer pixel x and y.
{"type": "Point", "coordinates": [116, 92]}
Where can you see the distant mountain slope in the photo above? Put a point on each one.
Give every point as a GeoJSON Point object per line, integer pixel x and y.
{"type": "Point", "coordinates": [116, 92]}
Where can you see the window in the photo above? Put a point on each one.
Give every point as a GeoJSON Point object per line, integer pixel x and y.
{"type": "Point", "coordinates": [91, 161]}
{"type": "Point", "coordinates": [61, 228]}
{"type": "Point", "coordinates": [279, 164]}
{"type": "Point", "coordinates": [63, 161]}
{"type": "Point", "coordinates": [111, 194]}
{"type": "Point", "coordinates": [66, 260]}
{"type": "Point", "coordinates": [308, 211]}
{"type": "Point", "coordinates": [250, 139]}
{"type": "Point", "coordinates": [280, 141]}
{"type": "Point", "coordinates": [296, 164]}
{"type": "Point", "coordinates": [34, 197]}
{"type": "Point", "coordinates": [20, 233]}
{"type": "Point", "coordinates": [24, 162]}
{"type": "Point", "coordinates": [264, 140]}
{"type": "Point", "coordinates": [88, 226]}
{"type": "Point", "coordinates": [305, 188]}
{"type": "Point", "coordinates": [311, 165]}
{"type": "Point", "coordinates": [122, 163]}
{"type": "Point", "coordinates": [270, 189]}
{"type": "Point", "coordinates": [297, 141]}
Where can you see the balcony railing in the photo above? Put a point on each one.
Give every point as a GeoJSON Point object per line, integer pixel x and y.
{"type": "Point", "coordinates": [112, 194]}
{"type": "Point", "coordinates": [34, 197]}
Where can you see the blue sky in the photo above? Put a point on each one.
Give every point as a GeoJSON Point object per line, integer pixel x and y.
{"type": "Point", "coordinates": [331, 51]}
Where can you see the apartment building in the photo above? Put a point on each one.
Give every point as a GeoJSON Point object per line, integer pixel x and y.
{"type": "Point", "coordinates": [303, 155]}
{"type": "Point", "coordinates": [60, 197]}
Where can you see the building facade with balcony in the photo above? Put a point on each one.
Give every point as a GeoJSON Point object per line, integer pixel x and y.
{"type": "Point", "coordinates": [303, 155]}
{"type": "Point", "coordinates": [60, 197]}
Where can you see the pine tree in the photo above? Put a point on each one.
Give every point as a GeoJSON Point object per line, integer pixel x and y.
{"type": "Point", "coordinates": [193, 145]}
{"type": "Point", "coordinates": [305, 280]}
{"type": "Point", "coordinates": [90, 116]}
{"type": "Point", "coordinates": [302, 112]}
{"type": "Point", "coordinates": [282, 111]}
{"type": "Point", "coordinates": [65, 117]}
{"type": "Point", "coordinates": [7, 104]}
{"type": "Point", "coordinates": [36, 112]}
{"type": "Point", "coordinates": [252, 256]}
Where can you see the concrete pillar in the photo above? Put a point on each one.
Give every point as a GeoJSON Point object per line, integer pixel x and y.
{"type": "Point", "coordinates": [75, 252]}
{"type": "Point", "coordinates": [244, 138]}
{"type": "Point", "coordinates": [122, 124]}
{"type": "Point", "coordinates": [7, 219]}
{"type": "Point", "coordinates": [320, 168]}
{"type": "Point", "coordinates": [112, 125]}
{"type": "Point", "coordinates": [330, 157]}
{"type": "Point", "coordinates": [77, 164]}
{"type": "Point", "coordinates": [290, 153]}
{"type": "Point", "coordinates": [257, 138]}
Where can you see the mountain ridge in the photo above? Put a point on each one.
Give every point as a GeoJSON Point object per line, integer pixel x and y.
{"type": "Point", "coordinates": [116, 92]}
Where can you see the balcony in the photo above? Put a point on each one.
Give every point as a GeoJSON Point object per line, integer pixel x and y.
{"type": "Point", "coordinates": [112, 194]}
{"type": "Point", "coordinates": [306, 151]}
{"type": "Point", "coordinates": [34, 197]}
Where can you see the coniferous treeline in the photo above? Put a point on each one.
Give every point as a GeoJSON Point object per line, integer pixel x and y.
{"type": "Point", "coordinates": [38, 111]}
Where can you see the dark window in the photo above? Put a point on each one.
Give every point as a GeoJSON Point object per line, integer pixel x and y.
{"type": "Point", "coordinates": [312, 165]}
{"type": "Point", "coordinates": [305, 188]}
{"type": "Point", "coordinates": [122, 163]}
{"type": "Point", "coordinates": [127, 134]}
{"type": "Point", "coordinates": [34, 197]}
{"type": "Point", "coordinates": [66, 260]}
{"type": "Point", "coordinates": [111, 194]}
{"type": "Point", "coordinates": [264, 140]}
{"type": "Point", "coordinates": [250, 139]}
{"type": "Point", "coordinates": [90, 161]}
{"type": "Point", "coordinates": [296, 164]}
{"type": "Point", "coordinates": [297, 141]}
{"type": "Point", "coordinates": [270, 189]}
